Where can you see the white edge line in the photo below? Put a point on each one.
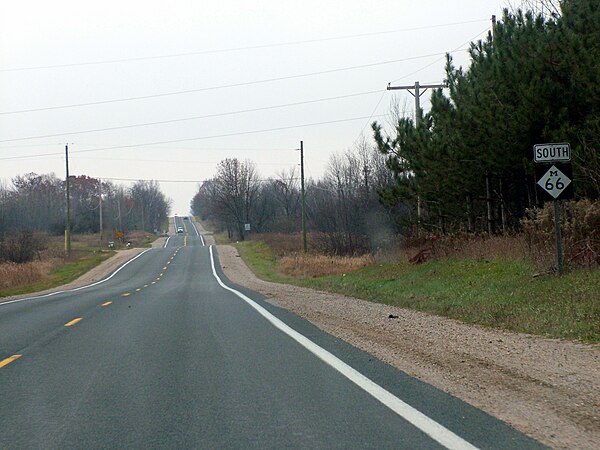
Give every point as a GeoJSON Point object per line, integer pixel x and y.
{"type": "Point", "coordinates": [427, 425]}
{"type": "Point", "coordinates": [76, 289]}
{"type": "Point", "coordinates": [198, 233]}
{"type": "Point", "coordinates": [166, 242]}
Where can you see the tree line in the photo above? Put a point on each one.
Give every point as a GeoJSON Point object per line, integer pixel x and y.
{"type": "Point", "coordinates": [342, 209]}
{"type": "Point", "coordinates": [38, 203]}
{"type": "Point", "coordinates": [468, 163]}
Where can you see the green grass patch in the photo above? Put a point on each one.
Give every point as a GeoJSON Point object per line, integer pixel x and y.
{"type": "Point", "coordinates": [499, 294]}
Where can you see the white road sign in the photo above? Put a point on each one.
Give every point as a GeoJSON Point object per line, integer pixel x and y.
{"type": "Point", "coordinates": [547, 153]}
{"type": "Point", "coordinates": [554, 182]}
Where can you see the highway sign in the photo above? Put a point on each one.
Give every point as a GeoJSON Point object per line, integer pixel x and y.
{"type": "Point", "coordinates": [555, 182]}
{"type": "Point", "coordinates": [549, 153]}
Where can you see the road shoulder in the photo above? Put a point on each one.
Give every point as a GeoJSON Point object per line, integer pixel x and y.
{"type": "Point", "coordinates": [546, 388]}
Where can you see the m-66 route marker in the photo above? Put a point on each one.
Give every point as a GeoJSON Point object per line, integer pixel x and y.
{"type": "Point", "coordinates": [554, 179]}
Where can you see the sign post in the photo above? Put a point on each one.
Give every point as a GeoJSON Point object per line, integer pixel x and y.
{"type": "Point", "coordinates": [554, 175]}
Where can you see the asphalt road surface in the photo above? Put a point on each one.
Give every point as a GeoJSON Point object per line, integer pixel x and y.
{"type": "Point", "coordinates": [167, 353]}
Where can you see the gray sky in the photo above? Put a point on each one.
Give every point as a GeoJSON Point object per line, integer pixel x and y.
{"type": "Point", "coordinates": [230, 57]}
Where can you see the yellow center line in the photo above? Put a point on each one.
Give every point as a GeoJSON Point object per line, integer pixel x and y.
{"type": "Point", "coordinates": [185, 241]}
{"type": "Point", "coordinates": [168, 262]}
{"type": "Point", "coordinates": [165, 268]}
{"type": "Point", "coordinates": [7, 361]}
{"type": "Point", "coordinates": [106, 303]}
{"type": "Point", "coordinates": [154, 282]}
{"type": "Point", "coordinates": [145, 285]}
{"type": "Point", "coordinates": [162, 273]}
{"type": "Point", "coordinates": [73, 322]}
{"type": "Point", "coordinates": [138, 289]}
{"type": "Point", "coordinates": [158, 279]}
{"type": "Point", "coordinates": [126, 294]}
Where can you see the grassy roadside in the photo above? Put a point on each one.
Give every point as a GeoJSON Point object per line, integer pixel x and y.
{"type": "Point", "coordinates": [82, 262]}
{"type": "Point", "coordinates": [499, 294]}
{"type": "Point", "coordinates": [52, 270]}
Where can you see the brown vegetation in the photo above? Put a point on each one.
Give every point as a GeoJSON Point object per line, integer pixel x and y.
{"type": "Point", "coordinates": [580, 224]}
{"type": "Point", "coordinates": [14, 276]}
{"type": "Point", "coordinates": [322, 265]}
{"type": "Point", "coordinates": [580, 229]}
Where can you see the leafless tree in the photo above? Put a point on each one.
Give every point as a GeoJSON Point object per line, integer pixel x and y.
{"type": "Point", "coordinates": [546, 8]}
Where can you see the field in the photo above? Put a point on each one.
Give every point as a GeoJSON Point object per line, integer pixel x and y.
{"type": "Point", "coordinates": [502, 290]}
{"type": "Point", "coordinates": [51, 268]}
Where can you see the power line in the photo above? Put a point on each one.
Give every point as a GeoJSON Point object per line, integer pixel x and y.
{"type": "Point", "coordinates": [242, 133]}
{"type": "Point", "coordinates": [459, 48]}
{"type": "Point", "coordinates": [265, 180]}
{"type": "Point", "coordinates": [236, 49]}
{"type": "Point", "coordinates": [224, 86]}
{"type": "Point", "coordinates": [162, 122]}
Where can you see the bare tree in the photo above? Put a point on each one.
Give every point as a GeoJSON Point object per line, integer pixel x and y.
{"type": "Point", "coordinates": [546, 8]}
{"type": "Point", "coordinates": [236, 188]}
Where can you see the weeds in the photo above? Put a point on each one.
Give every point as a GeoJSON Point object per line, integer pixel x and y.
{"type": "Point", "coordinates": [13, 275]}
{"type": "Point", "coordinates": [321, 265]}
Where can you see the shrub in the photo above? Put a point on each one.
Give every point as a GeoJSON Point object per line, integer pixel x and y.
{"type": "Point", "coordinates": [22, 247]}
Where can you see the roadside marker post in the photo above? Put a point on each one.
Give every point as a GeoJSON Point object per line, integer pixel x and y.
{"type": "Point", "coordinates": [554, 181]}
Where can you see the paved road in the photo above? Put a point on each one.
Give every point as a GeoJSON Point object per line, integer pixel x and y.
{"type": "Point", "coordinates": [164, 356]}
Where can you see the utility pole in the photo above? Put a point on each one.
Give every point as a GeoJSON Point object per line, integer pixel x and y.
{"type": "Point", "coordinates": [68, 217]}
{"type": "Point", "coordinates": [304, 246]}
{"type": "Point", "coordinates": [100, 205]}
{"type": "Point", "coordinates": [417, 95]}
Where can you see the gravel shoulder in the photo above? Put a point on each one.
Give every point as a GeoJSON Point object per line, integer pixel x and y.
{"type": "Point", "coordinates": [546, 388]}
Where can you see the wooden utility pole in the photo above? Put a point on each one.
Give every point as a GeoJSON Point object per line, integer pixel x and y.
{"type": "Point", "coordinates": [304, 245]}
{"type": "Point", "coordinates": [68, 212]}
{"type": "Point", "coordinates": [100, 205]}
{"type": "Point", "coordinates": [417, 95]}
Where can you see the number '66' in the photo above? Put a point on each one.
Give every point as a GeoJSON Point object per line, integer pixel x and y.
{"type": "Point", "coordinates": [559, 184]}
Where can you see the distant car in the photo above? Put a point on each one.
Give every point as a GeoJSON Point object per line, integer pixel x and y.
{"type": "Point", "coordinates": [186, 218]}
{"type": "Point", "coordinates": [180, 229]}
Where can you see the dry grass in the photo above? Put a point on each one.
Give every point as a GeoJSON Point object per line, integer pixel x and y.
{"type": "Point", "coordinates": [311, 266]}
{"type": "Point", "coordinates": [463, 247]}
{"type": "Point", "coordinates": [14, 276]}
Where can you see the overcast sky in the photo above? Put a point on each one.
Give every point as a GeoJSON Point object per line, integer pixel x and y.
{"type": "Point", "coordinates": [251, 78]}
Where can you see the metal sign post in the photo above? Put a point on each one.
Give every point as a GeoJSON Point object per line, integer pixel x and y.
{"type": "Point", "coordinates": [554, 175]}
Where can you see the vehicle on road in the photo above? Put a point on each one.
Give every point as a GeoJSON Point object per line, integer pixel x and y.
{"type": "Point", "coordinates": [179, 229]}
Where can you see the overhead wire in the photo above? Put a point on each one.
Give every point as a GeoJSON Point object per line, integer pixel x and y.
{"type": "Point", "coordinates": [146, 144]}
{"type": "Point", "coordinates": [236, 49]}
{"type": "Point", "coordinates": [223, 86]}
{"type": "Point", "coordinates": [162, 122]}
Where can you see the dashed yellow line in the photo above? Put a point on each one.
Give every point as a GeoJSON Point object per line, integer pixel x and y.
{"type": "Point", "coordinates": [145, 285]}
{"type": "Point", "coordinates": [106, 303]}
{"type": "Point", "coordinates": [162, 273]}
{"type": "Point", "coordinates": [126, 294]}
{"type": "Point", "coordinates": [73, 322]}
{"type": "Point", "coordinates": [138, 289]}
{"type": "Point", "coordinates": [7, 361]}
{"type": "Point", "coordinates": [154, 282]}
{"type": "Point", "coordinates": [165, 268]}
